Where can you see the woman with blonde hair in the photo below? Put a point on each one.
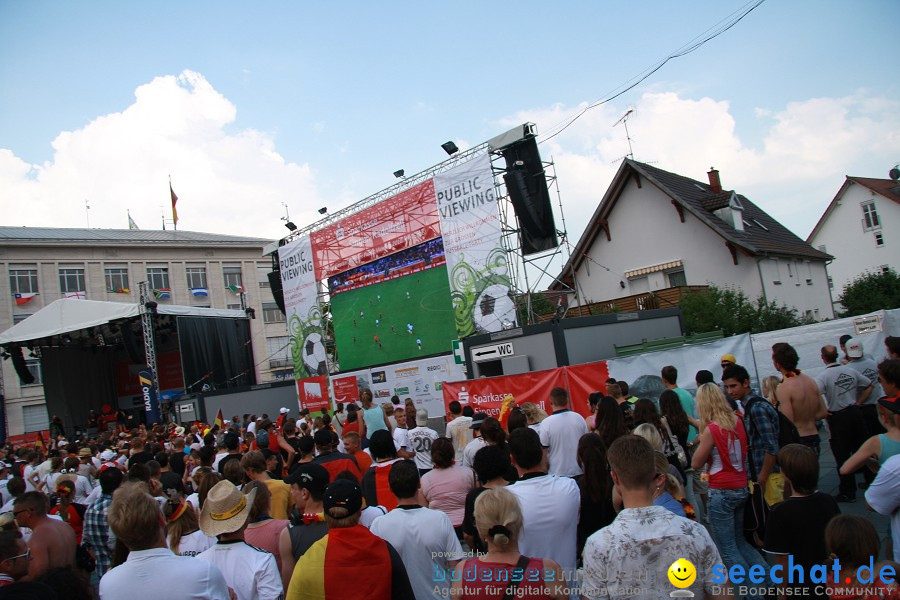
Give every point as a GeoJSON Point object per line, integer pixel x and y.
{"type": "Point", "coordinates": [723, 449]}
{"type": "Point", "coordinates": [535, 414]}
{"type": "Point", "coordinates": [498, 519]}
{"type": "Point", "coordinates": [769, 385]}
{"type": "Point", "coordinates": [183, 535]}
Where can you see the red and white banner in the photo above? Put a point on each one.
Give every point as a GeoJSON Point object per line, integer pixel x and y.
{"type": "Point", "coordinates": [313, 393]}
{"type": "Point", "coordinates": [345, 389]}
{"type": "Point", "coordinates": [486, 395]}
{"type": "Point", "coordinates": [404, 220]}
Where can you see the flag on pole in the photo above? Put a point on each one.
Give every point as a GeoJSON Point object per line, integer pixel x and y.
{"type": "Point", "coordinates": [219, 420]}
{"type": "Point", "coordinates": [162, 294]}
{"type": "Point", "coordinates": [131, 223]}
{"type": "Point", "coordinates": [174, 200]}
{"type": "Point", "coordinates": [237, 289]}
{"type": "Point", "coordinates": [200, 292]}
{"type": "Point", "coordinates": [76, 295]}
{"type": "Point", "coordinates": [24, 298]}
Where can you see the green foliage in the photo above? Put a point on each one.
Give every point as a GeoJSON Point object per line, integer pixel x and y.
{"type": "Point", "coordinates": [732, 311]}
{"type": "Point", "coordinates": [870, 292]}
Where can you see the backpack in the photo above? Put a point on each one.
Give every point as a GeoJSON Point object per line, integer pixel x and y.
{"type": "Point", "coordinates": [787, 431]}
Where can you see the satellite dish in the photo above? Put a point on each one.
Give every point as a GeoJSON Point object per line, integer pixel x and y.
{"type": "Point", "coordinates": [895, 173]}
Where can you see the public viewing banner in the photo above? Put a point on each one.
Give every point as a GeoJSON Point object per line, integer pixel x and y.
{"type": "Point", "coordinates": [476, 261]}
{"type": "Point", "coordinates": [298, 280]}
{"type": "Point", "coordinates": [420, 380]}
{"type": "Point", "coordinates": [404, 220]}
{"type": "Point", "coordinates": [313, 393]}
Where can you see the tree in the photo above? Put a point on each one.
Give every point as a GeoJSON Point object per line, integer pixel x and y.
{"type": "Point", "coordinates": [732, 311]}
{"type": "Point", "coordinates": [870, 292]}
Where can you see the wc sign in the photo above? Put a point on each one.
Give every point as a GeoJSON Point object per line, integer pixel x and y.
{"type": "Point", "coordinates": [495, 352]}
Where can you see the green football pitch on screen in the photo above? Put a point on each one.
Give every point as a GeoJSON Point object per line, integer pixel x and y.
{"type": "Point", "coordinates": [385, 310]}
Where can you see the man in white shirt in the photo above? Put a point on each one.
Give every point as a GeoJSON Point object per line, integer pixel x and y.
{"type": "Point", "coordinates": [401, 434]}
{"type": "Point", "coordinates": [420, 439]}
{"type": "Point", "coordinates": [477, 443]}
{"type": "Point", "coordinates": [560, 433]}
{"type": "Point", "coordinates": [252, 573]}
{"type": "Point", "coordinates": [548, 530]}
{"type": "Point", "coordinates": [423, 537]}
{"type": "Point", "coordinates": [136, 520]}
{"type": "Point", "coordinates": [458, 429]}
{"type": "Point", "coordinates": [631, 557]}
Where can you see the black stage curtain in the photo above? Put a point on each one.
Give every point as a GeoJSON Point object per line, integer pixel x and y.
{"type": "Point", "coordinates": [75, 381]}
{"type": "Point", "coordinates": [215, 353]}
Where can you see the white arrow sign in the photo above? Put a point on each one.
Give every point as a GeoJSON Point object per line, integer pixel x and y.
{"type": "Point", "coordinates": [495, 352]}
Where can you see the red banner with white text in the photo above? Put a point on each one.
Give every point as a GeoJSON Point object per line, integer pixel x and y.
{"type": "Point", "coordinates": [584, 380]}
{"type": "Point", "coordinates": [313, 393]}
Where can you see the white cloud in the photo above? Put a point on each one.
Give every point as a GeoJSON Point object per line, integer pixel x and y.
{"type": "Point", "coordinates": [807, 148]}
{"type": "Point", "coordinates": [226, 183]}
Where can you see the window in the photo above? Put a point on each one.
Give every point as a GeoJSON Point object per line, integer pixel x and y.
{"type": "Point", "coordinates": [19, 318]}
{"type": "Point", "coordinates": [23, 280]}
{"type": "Point", "coordinates": [158, 278]}
{"type": "Point", "coordinates": [830, 283]}
{"type": "Point", "coordinates": [71, 279]}
{"type": "Point", "coordinates": [233, 276]}
{"type": "Point", "coordinates": [262, 274]}
{"type": "Point", "coordinates": [278, 350]}
{"type": "Point", "coordinates": [233, 306]}
{"type": "Point", "coordinates": [790, 270]}
{"type": "Point", "coordinates": [879, 239]}
{"type": "Point", "coordinates": [196, 277]}
{"type": "Point", "coordinates": [807, 270]}
{"type": "Point", "coordinates": [271, 313]}
{"type": "Point", "coordinates": [677, 279]}
{"type": "Point", "coordinates": [870, 216]}
{"type": "Point", "coordinates": [776, 272]}
{"type": "Point", "coordinates": [34, 367]}
{"type": "Point", "coordinates": [116, 279]}
{"type": "Point", "coordinates": [35, 417]}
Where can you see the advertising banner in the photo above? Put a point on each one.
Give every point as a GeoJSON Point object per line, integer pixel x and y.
{"type": "Point", "coordinates": [401, 221]}
{"type": "Point", "coordinates": [584, 380]}
{"type": "Point", "coordinates": [486, 395]}
{"type": "Point", "coordinates": [313, 393]}
{"type": "Point", "coordinates": [345, 389]}
{"type": "Point", "coordinates": [148, 392]}
{"type": "Point", "coordinates": [298, 280]}
{"type": "Point", "coordinates": [476, 261]}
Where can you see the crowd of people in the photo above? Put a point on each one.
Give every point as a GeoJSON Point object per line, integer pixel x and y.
{"type": "Point", "coordinates": [371, 502]}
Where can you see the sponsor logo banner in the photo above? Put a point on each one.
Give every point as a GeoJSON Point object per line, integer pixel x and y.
{"type": "Point", "coordinates": [476, 261]}
{"type": "Point", "coordinates": [313, 393]}
{"type": "Point", "coordinates": [486, 395]}
{"type": "Point", "coordinates": [406, 219]}
{"type": "Point", "coordinates": [148, 396]}
{"type": "Point", "coordinates": [346, 389]}
{"type": "Point", "coordinates": [298, 281]}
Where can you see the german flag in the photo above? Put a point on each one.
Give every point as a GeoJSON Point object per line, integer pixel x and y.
{"type": "Point", "coordinates": [220, 421]}
{"type": "Point", "coordinates": [341, 565]}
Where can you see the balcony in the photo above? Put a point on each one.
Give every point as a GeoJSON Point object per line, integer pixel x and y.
{"type": "Point", "coordinates": [664, 298]}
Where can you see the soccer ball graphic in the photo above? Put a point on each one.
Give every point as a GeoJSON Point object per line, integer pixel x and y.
{"type": "Point", "coordinates": [494, 307]}
{"type": "Point", "coordinates": [314, 354]}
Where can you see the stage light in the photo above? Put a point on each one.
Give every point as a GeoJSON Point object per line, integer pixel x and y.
{"type": "Point", "coordinates": [323, 210]}
{"type": "Point", "coordinates": [151, 306]}
{"type": "Point", "coordinates": [398, 173]}
{"type": "Point", "coordinates": [251, 312]}
{"type": "Point", "coordinates": [450, 148]}
{"type": "Point", "coordinates": [290, 225]}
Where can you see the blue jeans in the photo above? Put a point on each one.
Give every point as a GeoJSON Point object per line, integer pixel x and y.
{"type": "Point", "coordinates": [726, 521]}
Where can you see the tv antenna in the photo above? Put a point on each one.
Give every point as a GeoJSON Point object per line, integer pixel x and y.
{"type": "Point", "coordinates": [624, 121]}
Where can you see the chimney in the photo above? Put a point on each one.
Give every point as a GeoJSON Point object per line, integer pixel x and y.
{"type": "Point", "coordinates": [714, 182]}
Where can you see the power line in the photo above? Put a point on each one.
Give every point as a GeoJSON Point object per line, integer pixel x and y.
{"type": "Point", "coordinates": [698, 41]}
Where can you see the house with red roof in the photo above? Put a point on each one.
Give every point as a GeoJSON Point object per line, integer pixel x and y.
{"type": "Point", "coordinates": [861, 229]}
{"type": "Point", "coordinates": [655, 230]}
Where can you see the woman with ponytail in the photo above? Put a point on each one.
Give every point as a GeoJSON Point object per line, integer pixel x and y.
{"type": "Point", "coordinates": [183, 534]}
{"type": "Point", "coordinates": [498, 519]}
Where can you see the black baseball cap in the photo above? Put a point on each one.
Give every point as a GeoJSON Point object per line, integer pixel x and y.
{"type": "Point", "coordinates": [342, 494]}
{"type": "Point", "coordinates": [323, 437]}
{"type": "Point", "coordinates": [311, 476]}
{"type": "Point", "coordinates": [477, 419]}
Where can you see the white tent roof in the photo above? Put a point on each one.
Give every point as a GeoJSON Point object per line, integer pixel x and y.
{"type": "Point", "coordinates": [68, 314]}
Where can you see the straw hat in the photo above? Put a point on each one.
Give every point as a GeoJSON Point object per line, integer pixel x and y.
{"type": "Point", "coordinates": [226, 509]}
{"type": "Point", "coordinates": [179, 431]}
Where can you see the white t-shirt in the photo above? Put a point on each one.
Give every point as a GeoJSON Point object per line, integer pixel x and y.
{"type": "Point", "coordinates": [369, 514]}
{"type": "Point", "coordinates": [471, 450]}
{"type": "Point", "coordinates": [218, 458]}
{"type": "Point", "coordinates": [194, 543]}
{"type": "Point", "coordinates": [883, 496]}
{"type": "Point", "coordinates": [459, 433]}
{"type": "Point", "coordinates": [418, 534]}
{"type": "Point", "coordinates": [194, 501]}
{"type": "Point", "coordinates": [421, 439]}
{"type": "Point", "coordinates": [252, 573]}
{"type": "Point", "coordinates": [549, 533]}
{"type": "Point", "coordinates": [560, 433]}
{"type": "Point", "coordinates": [159, 567]}
{"type": "Point", "coordinates": [95, 493]}
{"type": "Point", "coordinates": [401, 438]}
{"type": "Point", "coordinates": [83, 489]}
{"type": "Point", "coordinates": [29, 469]}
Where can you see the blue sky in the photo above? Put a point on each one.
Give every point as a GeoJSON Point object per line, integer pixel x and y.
{"type": "Point", "coordinates": [318, 103]}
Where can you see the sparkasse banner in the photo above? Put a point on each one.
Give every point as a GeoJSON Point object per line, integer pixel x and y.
{"type": "Point", "coordinates": [301, 307]}
{"type": "Point", "coordinates": [476, 261]}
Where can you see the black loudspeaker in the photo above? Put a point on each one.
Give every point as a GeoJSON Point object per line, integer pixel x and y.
{"type": "Point", "coordinates": [277, 291]}
{"type": "Point", "coordinates": [135, 353]}
{"type": "Point", "coordinates": [526, 184]}
{"type": "Point", "coordinates": [18, 361]}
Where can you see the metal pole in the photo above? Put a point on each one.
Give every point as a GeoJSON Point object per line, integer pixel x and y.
{"type": "Point", "coordinates": [147, 326]}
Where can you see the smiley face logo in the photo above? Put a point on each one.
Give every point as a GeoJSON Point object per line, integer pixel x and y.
{"type": "Point", "coordinates": [682, 573]}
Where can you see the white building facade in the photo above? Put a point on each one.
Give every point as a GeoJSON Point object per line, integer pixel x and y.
{"type": "Point", "coordinates": [41, 265]}
{"type": "Point", "coordinates": [861, 229]}
{"type": "Point", "coordinates": [655, 230]}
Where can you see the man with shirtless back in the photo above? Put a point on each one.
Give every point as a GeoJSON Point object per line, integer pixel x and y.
{"type": "Point", "coordinates": [798, 395]}
{"type": "Point", "coordinates": [52, 542]}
